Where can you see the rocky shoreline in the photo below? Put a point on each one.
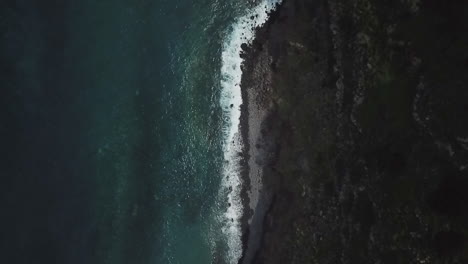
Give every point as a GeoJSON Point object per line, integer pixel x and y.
{"type": "Point", "coordinates": [257, 119]}
{"type": "Point", "coordinates": [362, 145]}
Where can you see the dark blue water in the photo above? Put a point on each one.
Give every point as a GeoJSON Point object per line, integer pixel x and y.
{"type": "Point", "coordinates": [116, 130]}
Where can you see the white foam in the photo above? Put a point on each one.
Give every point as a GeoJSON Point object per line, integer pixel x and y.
{"type": "Point", "coordinates": [241, 32]}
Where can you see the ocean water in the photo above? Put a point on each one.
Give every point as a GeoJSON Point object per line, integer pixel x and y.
{"type": "Point", "coordinates": [120, 130]}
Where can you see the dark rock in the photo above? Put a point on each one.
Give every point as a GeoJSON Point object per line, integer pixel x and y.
{"type": "Point", "coordinates": [244, 47]}
{"type": "Point", "coordinates": [448, 243]}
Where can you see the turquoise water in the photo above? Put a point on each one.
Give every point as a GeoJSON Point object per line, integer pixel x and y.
{"type": "Point", "coordinates": [124, 119]}
{"type": "Point", "coordinates": [162, 105]}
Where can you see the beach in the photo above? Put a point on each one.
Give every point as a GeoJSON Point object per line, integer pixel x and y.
{"type": "Point", "coordinates": [234, 132]}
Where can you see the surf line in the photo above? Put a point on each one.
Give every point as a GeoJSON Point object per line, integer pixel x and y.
{"type": "Point", "coordinates": [242, 31]}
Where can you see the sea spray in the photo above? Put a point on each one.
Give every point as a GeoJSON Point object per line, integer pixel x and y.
{"type": "Point", "coordinates": [242, 31]}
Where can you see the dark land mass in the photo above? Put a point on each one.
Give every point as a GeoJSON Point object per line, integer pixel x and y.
{"type": "Point", "coordinates": [371, 156]}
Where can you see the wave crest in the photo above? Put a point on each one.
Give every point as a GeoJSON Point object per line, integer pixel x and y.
{"type": "Point", "coordinates": [242, 31]}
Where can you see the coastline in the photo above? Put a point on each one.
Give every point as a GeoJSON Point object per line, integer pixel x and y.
{"type": "Point", "coordinates": [257, 118]}
{"type": "Point", "coordinates": [243, 186]}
